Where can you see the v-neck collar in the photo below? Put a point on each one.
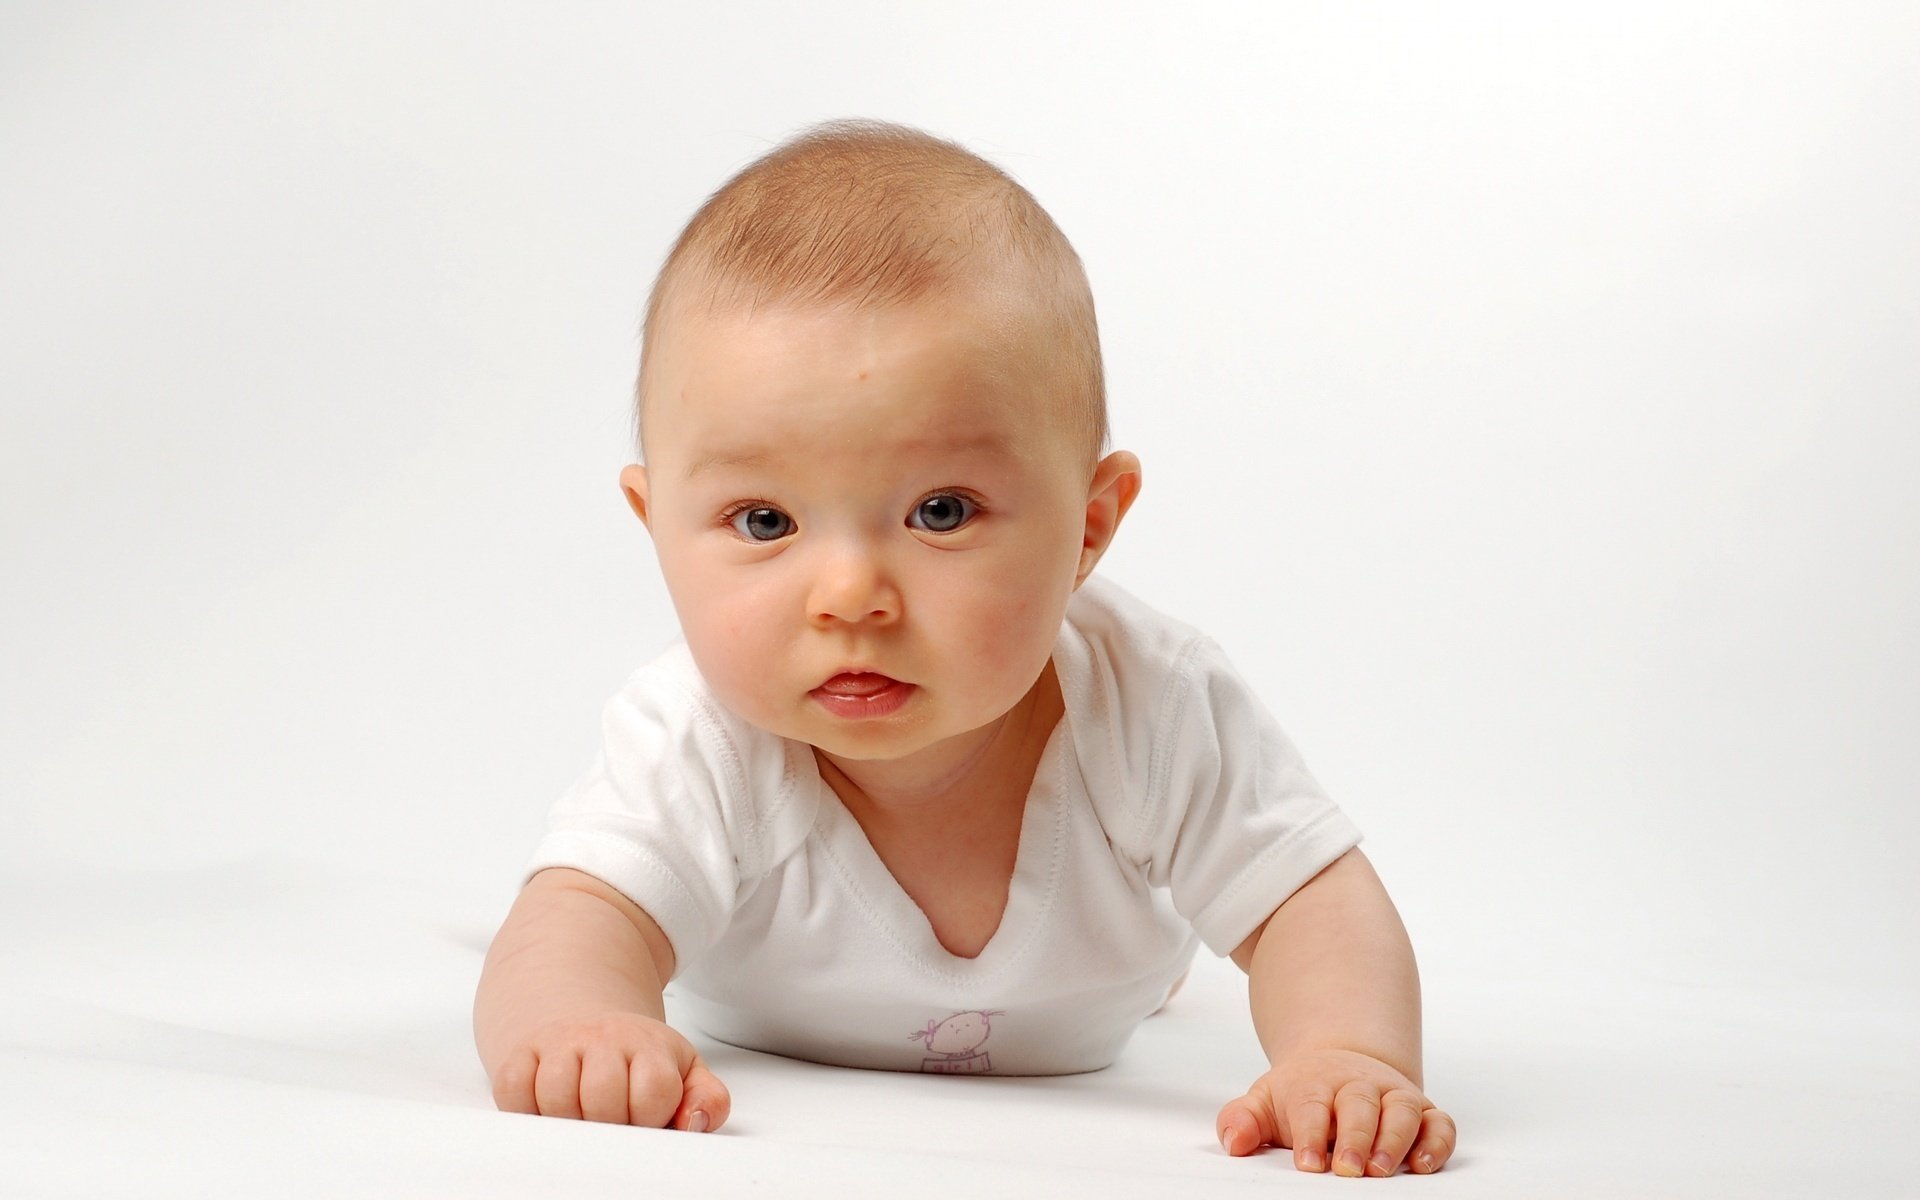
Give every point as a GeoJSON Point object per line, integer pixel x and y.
{"type": "Point", "coordinates": [1036, 869]}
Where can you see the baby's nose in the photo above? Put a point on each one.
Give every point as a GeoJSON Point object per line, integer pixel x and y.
{"type": "Point", "coordinates": [854, 586]}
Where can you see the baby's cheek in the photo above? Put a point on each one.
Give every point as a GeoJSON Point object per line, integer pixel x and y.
{"type": "Point", "coordinates": [993, 674]}
{"type": "Point", "coordinates": [1014, 626]}
{"type": "Point", "coordinates": [735, 665]}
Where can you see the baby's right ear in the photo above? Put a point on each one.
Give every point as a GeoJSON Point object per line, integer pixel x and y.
{"type": "Point", "coordinates": [633, 484]}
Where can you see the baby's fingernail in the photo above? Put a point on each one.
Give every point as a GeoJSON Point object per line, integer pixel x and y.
{"type": "Point", "coordinates": [1382, 1164]}
{"type": "Point", "coordinates": [1426, 1162]}
{"type": "Point", "coordinates": [1312, 1160]}
{"type": "Point", "coordinates": [697, 1123]}
{"type": "Point", "coordinates": [1350, 1164]}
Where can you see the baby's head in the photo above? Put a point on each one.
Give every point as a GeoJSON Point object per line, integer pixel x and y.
{"type": "Point", "coordinates": [871, 412]}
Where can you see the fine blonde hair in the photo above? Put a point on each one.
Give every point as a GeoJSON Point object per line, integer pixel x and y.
{"type": "Point", "coordinates": [867, 213]}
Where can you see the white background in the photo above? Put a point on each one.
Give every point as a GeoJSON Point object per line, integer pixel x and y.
{"type": "Point", "coordinates": [1529, 398]}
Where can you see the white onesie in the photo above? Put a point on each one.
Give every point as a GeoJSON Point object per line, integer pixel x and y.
{"type": "Point", "coordinates": [1168, 809]}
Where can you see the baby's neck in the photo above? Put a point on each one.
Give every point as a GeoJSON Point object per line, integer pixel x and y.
{"type": "Point", "coordinates": [994, 759]}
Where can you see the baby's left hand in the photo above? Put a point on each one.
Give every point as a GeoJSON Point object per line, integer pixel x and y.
{"type": "Point", "coordinates": [1380, 1116]}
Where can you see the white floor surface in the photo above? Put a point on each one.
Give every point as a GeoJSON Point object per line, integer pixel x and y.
{"type": "Point", "coordinates": [279, 1028]}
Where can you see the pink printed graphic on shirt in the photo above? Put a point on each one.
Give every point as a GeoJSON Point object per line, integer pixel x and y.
{"type": "Point", "coordinates": [957, 1040]}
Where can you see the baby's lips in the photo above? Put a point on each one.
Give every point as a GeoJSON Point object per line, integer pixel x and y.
{"type": "Point", "coordinates": [857, 683]}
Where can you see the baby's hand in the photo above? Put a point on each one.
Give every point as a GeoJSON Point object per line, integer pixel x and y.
{"type": "Point", "coordinates": [1379, 1113]}
{"type": "Point", "coordinates": [623, 1068]}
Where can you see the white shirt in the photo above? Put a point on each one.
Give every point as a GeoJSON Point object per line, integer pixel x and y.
{"type": "Point", "coordinates": [1168, 809]}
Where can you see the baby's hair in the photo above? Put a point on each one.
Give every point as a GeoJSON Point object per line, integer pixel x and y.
{"type": "Point", "coordinates": [867, 213]}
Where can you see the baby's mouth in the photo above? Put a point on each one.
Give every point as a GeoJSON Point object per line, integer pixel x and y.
{"type": "Point", "coordinates": [857, 683]}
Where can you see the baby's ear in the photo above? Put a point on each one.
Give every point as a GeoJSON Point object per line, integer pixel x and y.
{"type": "Point", "coordinates": [1116, 481]}
{"type": "Point", "coordinates": [633, 485]}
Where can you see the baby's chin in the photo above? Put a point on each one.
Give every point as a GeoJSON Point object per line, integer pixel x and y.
{"type": "Point", "coordinates": [882, 739]}
{"type": "Point", "coordinates": [865, 741]}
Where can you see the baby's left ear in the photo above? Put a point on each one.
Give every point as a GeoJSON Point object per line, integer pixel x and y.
{"type": "Point", "coordinates": [1116, 482]}
{"type": "Point", "coordinates": [633, 485]}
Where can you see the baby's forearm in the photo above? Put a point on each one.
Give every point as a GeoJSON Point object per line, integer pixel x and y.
{"type": "Point", "coordinates": [561, 953]}
{"type": "Point", "coordinates": [1334, 969]}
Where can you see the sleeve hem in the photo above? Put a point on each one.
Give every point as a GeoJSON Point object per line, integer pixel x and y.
{"type": "Point", "coordinates": [1267, 882]}
{"type": "Point", "coordinates": [636, 874]}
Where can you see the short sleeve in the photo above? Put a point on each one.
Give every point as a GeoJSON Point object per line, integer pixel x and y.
{"type": "Point", "coordinates": [663, 816]}
{"type": "Point", "coordinates": [1236, 823]}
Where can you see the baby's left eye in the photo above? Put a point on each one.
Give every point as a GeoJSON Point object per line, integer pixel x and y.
{"type": "Point", "coordinates": [945, 512]}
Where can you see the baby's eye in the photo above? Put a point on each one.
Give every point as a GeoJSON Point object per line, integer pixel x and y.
{"type": "Point", "coordinates": [945, 512]}
{"type": "Point", "coordinates": [761, 523]}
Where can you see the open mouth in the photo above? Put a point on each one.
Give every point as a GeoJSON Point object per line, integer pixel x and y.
{"type": "Point", "coordinates": [857, 683]}
{"type": "Point", "coordinates": [857, 694]}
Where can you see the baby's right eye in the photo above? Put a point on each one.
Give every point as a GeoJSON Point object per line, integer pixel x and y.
{"type": "Point", "coordinates": [759, 522]}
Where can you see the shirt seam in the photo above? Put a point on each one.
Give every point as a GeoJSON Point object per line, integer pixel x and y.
{"type": "Point", "coordinates": [1167, 732]}
{"type": "Point", "coordinates": [758, 827]}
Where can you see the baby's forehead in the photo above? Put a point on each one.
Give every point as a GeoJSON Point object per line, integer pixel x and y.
{"type": "Point", "coordinates": [985, 316]}
{"type": "Point", "coordinates": [913, 370]}
{"type": "Point", "coordinates": [747, 428]}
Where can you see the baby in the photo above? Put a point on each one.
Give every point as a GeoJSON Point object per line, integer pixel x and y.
{"type": "Point", "coordinates": [917, 790]}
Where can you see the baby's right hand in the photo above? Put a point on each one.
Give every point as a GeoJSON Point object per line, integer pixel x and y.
{"type": "Point", "coordinates": [624, 1068]}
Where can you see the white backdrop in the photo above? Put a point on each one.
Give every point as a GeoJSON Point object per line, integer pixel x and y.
{"type": "Point", "coordinates": [1529, 397]}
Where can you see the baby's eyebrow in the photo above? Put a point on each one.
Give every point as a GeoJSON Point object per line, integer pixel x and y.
{"type": "Point", "coordinates": [723, 458]}
{"type": "Point", "coordinates": [994, 442]}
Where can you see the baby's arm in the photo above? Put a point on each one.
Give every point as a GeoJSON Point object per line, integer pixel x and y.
{"type": "Point", "coordinates": [568, 1018]}
{"type": "Point", "coordinates": [1336, 1001]}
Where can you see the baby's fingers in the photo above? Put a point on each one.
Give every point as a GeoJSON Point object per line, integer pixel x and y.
{"type": "Point", "coordinates": [706, 1103]}
{"type": "Point", "coordinates": [1356, 1118]}
{"type": "Point", "coordinates": [1399, 1124]}
{"type": "Point", "coordinates": [1247, 1122]}
{"type": "Point", "coordinates": [603, 1085]}
{"type": "Point", "coordinates": [556, 1084]}
{"type": "Point", "coordinates": [1310, 1120]}
{"type": "Point", "coordinates": [653, 1089]}
{"type": "Point", "coordinates": [513, 1086]}
{"type": "Point", "coordinates": [1438, 1136]}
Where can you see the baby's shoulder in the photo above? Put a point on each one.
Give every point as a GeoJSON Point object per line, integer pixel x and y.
{"type": "Point", "coordinates": [1135, 669]}
{"type": "Point", "coordinates": [752, 783]}
{"type": "Point", "coordinates": [1138, 686]}
{"type": "Point", "coordinates": [666, 708]}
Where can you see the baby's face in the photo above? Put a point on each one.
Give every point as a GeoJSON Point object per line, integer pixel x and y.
{"type": "Point", "coordinates": [888, 492]}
